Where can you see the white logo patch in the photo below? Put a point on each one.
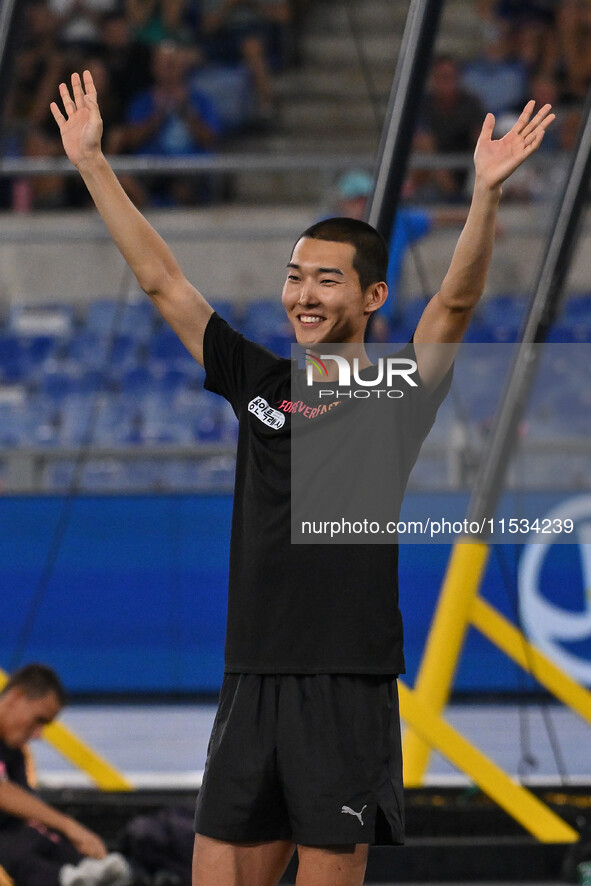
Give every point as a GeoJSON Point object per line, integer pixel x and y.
{"type": "Point", "coordinates": [348, 811]}
{"type": "Point", "coordinates": [265, 413]}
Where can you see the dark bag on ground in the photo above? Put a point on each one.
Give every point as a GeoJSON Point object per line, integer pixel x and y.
{"type": "Point", "coordinates": [162, 842]}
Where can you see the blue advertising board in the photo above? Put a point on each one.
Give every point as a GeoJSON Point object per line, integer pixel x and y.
{"type": "Point", "coordinates": [135, 599]}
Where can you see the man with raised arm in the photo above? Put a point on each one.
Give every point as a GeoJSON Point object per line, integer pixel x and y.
{"type": "Point", "coordinates": [306, 744]}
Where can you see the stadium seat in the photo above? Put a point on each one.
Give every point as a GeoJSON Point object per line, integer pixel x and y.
{"type": "Point", "coordinates": [226, 310]}
{"type": "Point", "coordinates": [56, 321]}
{"type": "Point", "coordinates": [166, 347]}
{"type": "Point", "coordinates": [265, 318]}
{"type": "Point", "coordinates": [112, 355]}
{"type": "Point", "coordinates": [107, 317]}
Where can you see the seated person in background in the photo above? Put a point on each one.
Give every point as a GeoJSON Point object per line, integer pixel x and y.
{"type": "Point", "coordinates": [451, 116]}
{"type": "Point", "coordinates": [79, 21]}
{"type": "Point", "coordinates": [40, 846]}
{"type": "Point", "coordinates": [241, 30]}
{"type": "Point", "coordinates": [127, 59]}
{"type": "Point", "coordinates": [497, 79]}
{"type": "Point", "coordinates": [411, 224]}
{"type": "Point", "coordinates": [153, 21]}
{"type": "Point", "coordinates": [172, 120]}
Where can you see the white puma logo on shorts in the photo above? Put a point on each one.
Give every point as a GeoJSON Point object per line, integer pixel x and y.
{"type": "Point", "coordinates": [349, 811]}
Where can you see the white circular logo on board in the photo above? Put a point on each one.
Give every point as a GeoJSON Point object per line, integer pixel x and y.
{"type": "Point", "coordinates": [546, 623]}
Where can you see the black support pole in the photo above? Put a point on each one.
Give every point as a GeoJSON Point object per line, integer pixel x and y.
{"type": "Point", "coordinates": [411, 71]}
{"type": "Point", "coordinates": [543, 308]}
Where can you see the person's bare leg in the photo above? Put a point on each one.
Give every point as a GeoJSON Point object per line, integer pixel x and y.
{"type": "Point", "coordinates": [217, 863]}
{"type": "Point", "coordinates": [332, 865]}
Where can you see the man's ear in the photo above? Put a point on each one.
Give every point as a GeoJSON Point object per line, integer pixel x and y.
{"type": "Point", "coordinates": [375, 296]}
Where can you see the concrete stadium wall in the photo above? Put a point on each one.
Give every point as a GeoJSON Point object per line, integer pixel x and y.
{"type": "Point", "coordinates": [236, 253]}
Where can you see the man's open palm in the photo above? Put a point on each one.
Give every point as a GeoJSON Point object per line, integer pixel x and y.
{"type": "Point", "coordinates": [496, 159]}
{"type": "Point", "coordinates": [82, 127]}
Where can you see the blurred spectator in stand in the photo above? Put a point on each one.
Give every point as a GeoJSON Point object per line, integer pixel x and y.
{"type": "Point", "coordinates": [353, 190]}
{"type": "Point", "coordinates": [429, 184]}
{"type": "Point", "coordinates": [172, 120]}
{"type": "Point", "coordinates": [79, 22]}
{"type": "Point", "coordinates": [543, 88]}
{"type": "Point", "coordinates": [450, 120]}
{"type": "Point", "coordinates": [153, 21]}
{"type": "Point", "coordinates": [498, 80]}
{"type": "Point", "coordinates": [39, 67]}
{"type": "Point", "coordinates": [245, 30]}
{"type": "Point", "coordinates": [574, 32]}
{"type": "Point", "coordinates": [127, 59]}
{"type": "Point", "coordinates": [530, 28]}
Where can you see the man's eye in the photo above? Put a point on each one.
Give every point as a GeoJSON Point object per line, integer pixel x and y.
{"type": "Point", "coordinates": [328, 281]}
{"type": "Point", "coordinates": [292, 278]}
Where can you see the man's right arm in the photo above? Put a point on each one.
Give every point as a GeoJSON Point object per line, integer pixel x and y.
{"type": "Point", "coordinates": [19, 802]}
{"type": "Point", "coordinates": [151, 260]}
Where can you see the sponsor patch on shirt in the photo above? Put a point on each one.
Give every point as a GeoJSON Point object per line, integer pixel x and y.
{"type": "Point", "coordinates": [265, 413]}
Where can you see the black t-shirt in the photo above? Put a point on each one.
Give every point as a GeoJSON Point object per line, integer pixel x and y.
{"type": "Point", "coordinates": [13, 768]}
{"type": "Point", "coordinates": [302, 608]}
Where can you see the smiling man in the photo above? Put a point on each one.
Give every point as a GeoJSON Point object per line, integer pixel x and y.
{"type": "Point", "coordinates": [306, 743]}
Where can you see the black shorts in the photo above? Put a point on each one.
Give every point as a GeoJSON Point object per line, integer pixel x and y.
{"type": "Point", "coordinates": [306, 758]}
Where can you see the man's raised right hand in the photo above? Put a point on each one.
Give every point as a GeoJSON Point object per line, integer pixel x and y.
{"type": "Point", "coordinates": [82, 127]}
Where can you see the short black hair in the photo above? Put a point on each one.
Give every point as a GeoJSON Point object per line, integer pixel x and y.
{"type": "Point", "coordinates": [36, 681]}
{"type": "Point", "coordinates": [371, 252]}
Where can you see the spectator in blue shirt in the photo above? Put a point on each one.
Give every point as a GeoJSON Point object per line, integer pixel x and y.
{"type": "Point", "coordinates": [497, 79]}
{"type": "Point", "coordinates": [172, 120]}
{"type": "Point", "coordinates": [410, 225]}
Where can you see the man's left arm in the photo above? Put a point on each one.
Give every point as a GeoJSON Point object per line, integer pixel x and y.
{"type": "Point", "coordinates": [447, 315]}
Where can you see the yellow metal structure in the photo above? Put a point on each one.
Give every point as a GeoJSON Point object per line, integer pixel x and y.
{"type": "Point", "coordinates": [444, 643]}
{"type": "Point", "coordinates": [459, 607]}
{"type": "Point", "coordinates": [530, 812]}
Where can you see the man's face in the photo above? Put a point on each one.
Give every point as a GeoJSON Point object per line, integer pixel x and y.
{"type": "Point", "coordinates": [23, 718]}
{"type": "Point", "coordinates": [322, 294]}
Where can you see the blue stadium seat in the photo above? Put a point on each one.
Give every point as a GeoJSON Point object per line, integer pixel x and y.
{"type": "Point", "coordinates": [13, 359]}
{"type": "Point", "coordinates": [106, 317]}
{"type": "Point", "coordinates": [166, 347]}
{"type": "Point", "coordinates": [14, 429]}
{"type": "Point", "coordinates": [113, 355]}
{"type": "Point", "coordinates": [77, 419]}
{"type": "Point", "coordinates": [226, 310]}
{"type": "Point", "coordinates": [138, 382]}
{"type": "Point", "coordinates": [58, 475]}
{"type": "Point", "coordinates": [265, 318]}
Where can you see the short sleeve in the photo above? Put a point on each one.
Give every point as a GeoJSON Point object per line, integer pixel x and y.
{"type": "Point", "coordinates": [232, 362]}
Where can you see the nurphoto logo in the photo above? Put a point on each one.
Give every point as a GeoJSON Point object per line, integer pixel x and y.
{"type": "Point", "coordinates": [387, 371]}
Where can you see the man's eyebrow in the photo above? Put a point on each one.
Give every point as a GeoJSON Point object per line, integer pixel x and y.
{"type": "Point", "coordinates": [318, 270]}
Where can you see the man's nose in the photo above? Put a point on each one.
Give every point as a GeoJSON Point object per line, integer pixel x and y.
{"type": "Point", "coordinates": [307, 293]}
